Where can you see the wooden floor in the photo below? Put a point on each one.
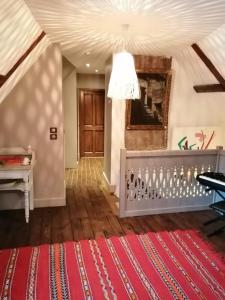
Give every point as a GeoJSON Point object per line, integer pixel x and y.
{"type": "Point", "coordinates": [91, 213]}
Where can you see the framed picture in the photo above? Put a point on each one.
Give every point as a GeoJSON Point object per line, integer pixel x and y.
{"type": "Point", "coordinates": [151, 110]}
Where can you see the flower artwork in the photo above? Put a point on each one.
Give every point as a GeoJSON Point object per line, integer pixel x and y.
{"type": "Point", "coordinates": [197, 138]}
{"type": "Point", "coordinates": [200, 138]}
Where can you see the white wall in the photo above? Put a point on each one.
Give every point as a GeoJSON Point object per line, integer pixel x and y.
{"type": "Point", "coordinates": [117, 140]}
{"type": "Point", "coordinates": [70, 119]}
{"type": "Point", "coordinates": [188, 108]}
{"type": "Point", "coordinates": [107, 127]}
{"type": "Point", "coordinates": [90, 81]}
{"type": "Point", "coordinates": [26, 115]}
{"type": "Point", "coordinates": [114, 135]}
{"type": "Point", "coordinates": [67, 68]}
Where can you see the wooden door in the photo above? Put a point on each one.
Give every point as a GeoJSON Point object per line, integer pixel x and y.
{"type": "Point", "coordinates": [91, 108]}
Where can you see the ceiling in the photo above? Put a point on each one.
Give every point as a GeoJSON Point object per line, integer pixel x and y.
{"type": "Point", "coordinates": [89, 31]}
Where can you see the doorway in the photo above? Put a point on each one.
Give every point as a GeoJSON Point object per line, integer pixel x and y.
{"type": "Point", "coordinates": [91, 120]}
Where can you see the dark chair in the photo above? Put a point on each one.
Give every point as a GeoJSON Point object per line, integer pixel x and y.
{"type": "Point", "coordinates": [219, 208]}
{"type": "Point", "coordinates": [215, 182]}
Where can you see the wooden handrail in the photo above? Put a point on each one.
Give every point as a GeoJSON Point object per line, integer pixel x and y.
{"type": "Point", "coordinates": [4, 78]}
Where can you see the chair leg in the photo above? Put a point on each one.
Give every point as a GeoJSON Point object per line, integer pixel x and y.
{"type": "Point", "coordinates": [216, 231]}
{"type": "Point", "coordinates": [211, 221]}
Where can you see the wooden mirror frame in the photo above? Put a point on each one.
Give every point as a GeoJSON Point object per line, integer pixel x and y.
{"type": "Point", "coordinates": [165, 105]}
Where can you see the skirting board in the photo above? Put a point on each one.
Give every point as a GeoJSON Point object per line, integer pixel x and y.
{"type": "Point", "coordinates": [18, 203]}
{"type": "Point", "coordinates": [49, 202]}
{"type": "Point", "coordinates": [110, 187]}
{"type": "Point", "coordinates": [135, 213]}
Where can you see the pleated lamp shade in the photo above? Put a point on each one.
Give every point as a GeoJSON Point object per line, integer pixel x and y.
{"type": "Point", "coordinates": [123, 82]}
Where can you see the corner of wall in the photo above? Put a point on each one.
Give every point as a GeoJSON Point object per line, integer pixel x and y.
{"type": "Point", "coordinates": [27, 114]}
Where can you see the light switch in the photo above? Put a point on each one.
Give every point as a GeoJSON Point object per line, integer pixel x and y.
{"type": "Point", "coordinates": [53, 136]}
{"type": "Point", "coordinates": [53, 129]}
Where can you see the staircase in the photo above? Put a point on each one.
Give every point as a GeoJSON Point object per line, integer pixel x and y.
{"type": "Point", "coordinates": [143, 114]}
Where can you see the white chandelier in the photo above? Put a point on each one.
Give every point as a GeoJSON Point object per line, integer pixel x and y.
{"type": "Point", "coordinates": [123, 82]}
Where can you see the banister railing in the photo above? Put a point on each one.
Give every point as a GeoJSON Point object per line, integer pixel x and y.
{"type": "Point", "coordinates": [154, 182]}
{"type": "Point", "coordinates": [4, 78]}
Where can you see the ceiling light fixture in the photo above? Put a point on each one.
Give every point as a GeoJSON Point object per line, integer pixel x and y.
{"type": "Point", "coordinates": [123, 82]}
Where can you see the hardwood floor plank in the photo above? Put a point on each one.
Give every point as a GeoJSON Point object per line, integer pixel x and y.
{"type": "Point", "coordinates": [152, 223]}
{"type": "Point", "coordinates": [145, 227]}
{"type": "Point", "coordinates": [78, 209]}
{"type": "Point", "coordinates": [35, 227]}
{"type": "Point", "coordinates": [129, 226]}
{"type": "Point", "coordinates": [115, 225]}
{"type": "Point", "coordinates": [91, 212]}
{"type": "Point", "coordinates": [61, 226]}
{"type": "Point", "coordinates": [101, 227]}
{"type": "Point", "coordinates": [46, 229]}
{"type": "Point", "coordinates": [76, 229]}
{"type": "Point", "coordinates": [87, 229]}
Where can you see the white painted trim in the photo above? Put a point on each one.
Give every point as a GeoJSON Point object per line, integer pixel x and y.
{"type": "Point", "coordinates": [132, 213]}
{"type": "Point", "coordinates": [169, 153]}
{"type": "Point", "coordinates": [123, 187]}
{"type": "Point", "coordinates": [110, 187]}
{"type": "Point", "coordinates": [50, 202]}
{"type": "Point", "coordinates": [105, 178]}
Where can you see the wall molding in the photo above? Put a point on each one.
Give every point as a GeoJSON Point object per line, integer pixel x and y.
{"type": "Point", "coordinates": [153, 211]}
{"type": "Point", "coordinates": [16, 201]}
{"type": "Point", "coordinates": [110, 187]}
{"type": "Point", "coordinates": [49, 202]}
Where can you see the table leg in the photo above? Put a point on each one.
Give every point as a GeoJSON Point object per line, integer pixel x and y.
{"type": "Point", "coordinates": [27, 200]}
{"type": "Point", "coordinates": [26, 196]}
{"type": "Point", "coordinates": [31, 191]}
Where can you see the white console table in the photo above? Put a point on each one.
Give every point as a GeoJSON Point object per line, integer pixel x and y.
{"type": "Point", "coordinates": [21, 175]}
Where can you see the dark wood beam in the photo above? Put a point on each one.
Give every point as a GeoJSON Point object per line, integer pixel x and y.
{"type": "Point", "coordinates": [209, 88]}
{"type": "Point", "coordinates": [4, 78]}
{"type": "Point", "coordinates": [209, 64]}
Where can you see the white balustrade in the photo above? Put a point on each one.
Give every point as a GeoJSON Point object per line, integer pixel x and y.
{"type": "Point", "coordinates": [164, 181]}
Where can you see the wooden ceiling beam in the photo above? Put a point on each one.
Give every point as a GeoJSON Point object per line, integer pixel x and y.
{"type": "Point", "coordinates": [209, 87]}
{"type": "Point", "coordinates": [4, 78]}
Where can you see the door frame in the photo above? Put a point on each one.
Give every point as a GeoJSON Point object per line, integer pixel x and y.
{"type": "Point", "coordinates": [80, 91]}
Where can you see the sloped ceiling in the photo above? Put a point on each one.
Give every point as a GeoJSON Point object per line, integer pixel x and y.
{"type": "Point", "coordinates": [90, 31]}
{"type": "Point", "coordinates": [18, 30]}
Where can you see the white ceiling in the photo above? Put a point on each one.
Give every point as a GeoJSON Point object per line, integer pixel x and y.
{"type": "Point", "coordinates": [89, 31]}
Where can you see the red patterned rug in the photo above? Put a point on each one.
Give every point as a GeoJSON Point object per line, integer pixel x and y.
{"type": "Point", "coordinates": [165, 265]}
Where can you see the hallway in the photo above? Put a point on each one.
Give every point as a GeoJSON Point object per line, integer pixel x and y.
{"type": "Point", "coordinates": [92, 209]}
{"type": "Point", "coordinates": [90, 213]}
